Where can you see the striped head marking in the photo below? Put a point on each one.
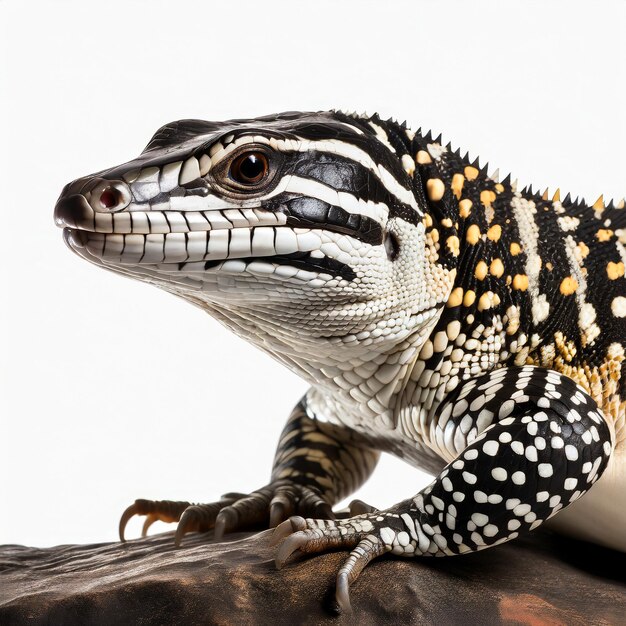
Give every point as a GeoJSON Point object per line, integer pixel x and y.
{"type": "Point", "coordinates": [259, 219]}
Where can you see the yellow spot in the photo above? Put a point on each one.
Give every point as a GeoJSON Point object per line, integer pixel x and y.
{"type": "Point", "coordinates": [568, 286]}
{"type": "Point", "coordinates": [447, 222]}
{"type": "Point", "coordinates": [598, 205]}
{"type": "Point", "coordinates": [495, 232]}
{"type": "Point", "coordinates": [615, 270]}
{"type": "Point", "coordinates": [471, 173]}
{"type": "Point", "coordinates": [496, 268]}
{"type": "Point", "coordinates": [423, 158]}
{"type": "Point", "coordinates": [488, 300]}
{"type": "Point", "coordinates": [481, 270]}
{"type": "Point", "coordinates": [604, 234]}
{"type": "Point", "coordinates": [453, 245]}
{"type": "Point", "coordinates": [487, 197]}
{"type": "Point", "coordinates": [456, 297]}
{"type": "Point", "coordinates": [469, 298]}
{"type": "Point", "coordinates": [499, 187]}
{"type": "Point", "coordinates": [428, 220]}
{"type": "Point", "coordinates": [465, 207]}
{"type": "Point", "coordinates": [434, 234]}
{"type": "Point", "coordinates": [515, 249]}
{"type": "Point", "coordinates": [584, 250]}
{"type": "Point", "coordinates": [457, 185]}
{"type": "Point", "coordinates": [473, 234]}
{"type": "Point", "coordinates": [520, 282]}
{"type": "Point", "coordinates": [550, 267]}
{"type": "Point", "coordinates": [435, 189]}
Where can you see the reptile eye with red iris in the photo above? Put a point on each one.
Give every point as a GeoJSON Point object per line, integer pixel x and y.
{"type": "Point", "coordinates": [249, 168]}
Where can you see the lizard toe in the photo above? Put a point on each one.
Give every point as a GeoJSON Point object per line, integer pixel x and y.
{"type": "Point", "coordinates": [154, 510]}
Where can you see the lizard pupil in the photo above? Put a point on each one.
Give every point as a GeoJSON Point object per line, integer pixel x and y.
{"type": "Point", "coordinates": [249, 168]}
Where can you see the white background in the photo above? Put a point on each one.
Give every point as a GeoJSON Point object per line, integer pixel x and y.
{"type": "Point", "coordinates": [112, 390]}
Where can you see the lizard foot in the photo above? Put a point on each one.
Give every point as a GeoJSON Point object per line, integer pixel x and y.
{"type": "Point", "coordinates": [367, 536]}
{"type": "Point", "coordinates": [266, 507]}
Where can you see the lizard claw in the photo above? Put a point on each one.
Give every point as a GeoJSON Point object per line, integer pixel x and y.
{"type": "Point", "coordinates": [150, 519]}
{"type": "Point", "coordinates": [225, 521]}
{"type": "Point", "coordinates": [155, 510]}
{"type": "Point", "coordinates": [361, 534]}
{"type": "Point", "coordinates": [358, 507]}
{"type": "Point", "coordinates": [286, 528]}
{"type": "Point", "coordinates": [292, 544]}
{"type": "Point", "coordinates": [342, 593]}
{"type": "Point", "coordinates": [195, 518]}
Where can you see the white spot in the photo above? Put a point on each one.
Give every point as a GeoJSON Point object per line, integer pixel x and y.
{"type": "Point", "coordinates": [499, 473]}
{"type": "Point", "coordinates": [531, 453]}
{"type": "Point", "coordinates": [517, 447]}
{"type": "Point", "coordinates": [519, 478]}
{"type": "Point", "coordinates": [469, 478]}
{"type": "Point", "coordinates": [403, 538]}
{"type": "Point", "coordinates": [506, 408]}
{"type": "Point", "coordinates": [490, 530]}
{"type": "Point", "coordinates": [618, 306]}
{"type": "Point", "coordinates": [521, 509]}
{"type": "Point", "coordinates": [480, 519]}
{"type": "Point", "coordinates": [491, 448]}
{"type": "Point", "coordinates": [570, 484]}
{"type": "Point", "coordinates": [438, 502]}
{"type": "Point", "coordinates": [387, 535]}
{"type": "Point", "coordinates": [480, 496]}
{"type": "Point", "coordinates": [545, 470]}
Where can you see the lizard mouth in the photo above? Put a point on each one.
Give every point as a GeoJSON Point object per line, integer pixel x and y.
{"type": "Point", "coordinates": [244, 240]}
{"type": "Point", "coordinates": [91, 245]}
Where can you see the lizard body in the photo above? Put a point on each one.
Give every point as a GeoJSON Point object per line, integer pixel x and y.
{"type": "Point", "coordinates": [474, 329]}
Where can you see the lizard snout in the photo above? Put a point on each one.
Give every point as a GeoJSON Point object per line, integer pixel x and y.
{"type": "Point", "coordinates": [80, 199]}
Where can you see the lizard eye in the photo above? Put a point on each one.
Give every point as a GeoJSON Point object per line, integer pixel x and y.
{"type": "Point", "coordinates": [249, 168]}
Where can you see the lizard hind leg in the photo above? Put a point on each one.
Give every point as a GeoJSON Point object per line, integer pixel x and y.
{"type": "Point", "coordinates": [542, 444]}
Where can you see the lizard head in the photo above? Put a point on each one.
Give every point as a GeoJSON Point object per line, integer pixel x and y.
{"type": "Point", "coordinates": [299, 224]}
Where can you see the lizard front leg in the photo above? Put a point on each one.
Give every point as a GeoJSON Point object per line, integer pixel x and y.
{"type": "Point", "coordinates": [315, 466]}
{"type": "Point", "coordinates": [529, 442]}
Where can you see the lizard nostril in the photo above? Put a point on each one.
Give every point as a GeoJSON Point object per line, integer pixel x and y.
{"type": "Point", "coordinates": [109, 198]}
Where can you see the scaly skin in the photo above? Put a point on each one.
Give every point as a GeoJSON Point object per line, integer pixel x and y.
{"type": "Point", "coordinates": [441, 315]}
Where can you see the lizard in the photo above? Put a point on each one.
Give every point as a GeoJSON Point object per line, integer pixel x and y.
{"type": "Point", "coordinates": [474, 329]}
